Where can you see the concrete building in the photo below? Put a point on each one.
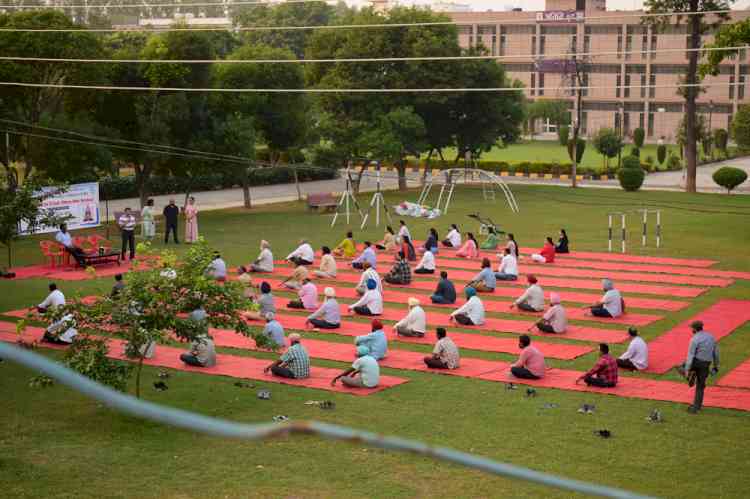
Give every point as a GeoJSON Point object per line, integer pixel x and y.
{"type": "Point", "coordinates": [562, 28]}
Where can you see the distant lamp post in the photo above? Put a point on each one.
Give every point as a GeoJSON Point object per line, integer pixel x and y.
{"type": "Point", "coordinates": [621, 114]}
{"type": "Point", "coordinates": [710, 130]}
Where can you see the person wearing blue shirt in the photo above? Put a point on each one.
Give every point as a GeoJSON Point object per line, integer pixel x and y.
{"type": "Point", "coordinates": [65, 240]}
{"type": "Point", "coordinates": [485, 281]}
{"type": "Point", "coordinates": [274, 330]}
{"type": "Point", "coordinates": [368, 255]}
{"type": "Point", "coordinates": [376, 341]}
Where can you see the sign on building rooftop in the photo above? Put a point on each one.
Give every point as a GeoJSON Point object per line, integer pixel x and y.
{"type": "Point", "coordinates": [559, 16]}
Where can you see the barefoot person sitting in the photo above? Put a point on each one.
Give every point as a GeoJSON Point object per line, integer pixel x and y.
{"type": "Point", "coordinates": [202, 352]}
{"type": "Point", "coordinates": [611, 304]}
{"type": "Point", "coordinates": [308, 296]}
{"type": "Point", "coordinates": [367, 274]}
{"type": "Point", "coordinates": [453, 238]}
{"type": "Point", "coordinates": [303, 255]}
{"type": "Point", "coordinates": [297, 278]}
{"type": "Point", "coordinates": [327, 264]}
{"type": "Point", "coordinates": [62, 331]}
{"type": "Point", "coordinates": [445, 354]}
{"type": "Point", "coordinates": [371, 302]}
{"type": "Point", "coordinates": [368, 255]}
{"type": "Point", "coordinates": [376, 341]}
{"type": "Point", "coordinates": [470, 313]}
{"type": "Point", "coordinates": [532, 300]}
{"type": "Point", "coordinates": [264, 262]}
{"type": "Point", "coordinates": [427, 264]}
{"type": "Point", "coordinates": [400, 273]}
{"type": "Point", "coordinates": [273, 330]}
{"type": "Point", "coordinates": [508, 270]}
{"type": "Point", "coordinates": [445, 293]}
{"type": "Point", "coordinates": [484, 281]}
{"type": "Point", "coordinates": [265, 303]}
{"type": "Point", "coordinates": [328, 316]}
{"type": "Point", "coordinates": [415, 322]}
{"type": "Point", "coordinates": [364, 373]}
{"type": "Point", "coordinates": [555, 319]}
{"type": "Point", "coordinates": [635, 357]}
{"type": "Point", "coordinates": [547, 254]}
{"type": "Point", "coordinates": [294, 363]}
{"type": "Point", "coordinates": [530, 364]}
{"type": "Point", "coordinates": [604, 372]}
{"type": "Point", "coordinates": [470, 248]}
{"type": "Point", "coordinates": [347, 247]}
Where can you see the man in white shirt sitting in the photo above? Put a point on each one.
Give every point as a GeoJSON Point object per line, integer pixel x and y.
{"type": "Point", "coordinates": [415, 322]}
{"type": "Point", "coordinates": [367, 274]}
{"type": "Point", "coordinates": [427, 264]}
{"type": "Point", "coordinates": [61, 331]}
{"type": "Point", "coordinates": [371, 302]}
{"type": "Point", "coordinates": [303, 255]}
{"type": "Point", "coordinates": [508, 270]}
{"type": "Point", "coordinates": [217, 268]}
{"type": "Point", "coordinates": [532, 300]}
{"type": "Point", "coordinates": [470, 313]}
{"type": "Point", "coordinates": [635, 357]}
{"type": "Point", "coordinates": [453, 239]}
{"type": "Point", "coordinates": [65, 240]}
{"type": "Point", "coordinates": [611, 304]}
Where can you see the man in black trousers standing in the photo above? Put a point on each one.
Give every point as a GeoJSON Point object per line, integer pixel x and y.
{"type": "Point", "coordinates": [127, 227]}
{"type": "Point", "coordinates": [171, 212]}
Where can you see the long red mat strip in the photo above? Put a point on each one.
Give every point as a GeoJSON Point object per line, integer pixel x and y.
{"type": "Point", "coordinates": [739, 377]}
{"type": "Point", "coordinates": [619, 257]}
{"type": "Point", "coordinates": [720, 319]}
{"type": "Point", "coordinates": [226, 365]}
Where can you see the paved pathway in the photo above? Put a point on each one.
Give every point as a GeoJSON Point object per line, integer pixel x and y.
{"type": "Point", "coordinates": [675, 180]}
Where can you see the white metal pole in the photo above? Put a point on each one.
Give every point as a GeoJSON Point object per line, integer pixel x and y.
{"type": "Point", "coordinates": [609, 231]}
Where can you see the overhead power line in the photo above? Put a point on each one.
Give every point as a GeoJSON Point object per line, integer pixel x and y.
{"type": "Point", "coordinates": [238, 3]}
{"type": "Point", "coordinates": [561, 55]}
{"type": "Point", "coordinates": [172, 28]}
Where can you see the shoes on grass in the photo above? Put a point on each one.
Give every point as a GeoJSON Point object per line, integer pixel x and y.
{"type": "Point", "coordinates": [655, 416]}
{"type": "Point", "coordinates": [163, 374]}
{"type": "Point", "coordinates": [587, 409]}
{"type": "Point", "coordinates": [511, 386]}
{"type": "Point", "coordinates": [603, 433]}
{"type": "Point", "coordinates": [530, 392]}
{"type": "Point", "coordinates": [160, 386]}
{"type": "Point", "coordinates": [264, 394]}
{"type": "Point", "coordinates": [244, 384]}
{"type": "Point", "coordinates": [280, 419]}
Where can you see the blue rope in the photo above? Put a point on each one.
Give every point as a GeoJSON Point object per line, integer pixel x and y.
{"type": "Point", "coordinates": [223, 428]}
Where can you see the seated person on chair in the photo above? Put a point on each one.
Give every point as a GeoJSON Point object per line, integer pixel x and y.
{"type": "Point", "coordinates": [635, 357]}
{"type": "Point", "coordinates": [367, 274]}
{"type": "Point", "coordinates": [327, 264]}
{"type": "Point", "coordinates": [400, 273]}
{"type": "Point", "coordinates": [445, 293]}
{"type": "Point", "coordinates": [303, 255]}
{"type": "Point", "coordinates": [604, 372]}
{"type": "Point", "coordinates": [328, 316]}
{"type": "Point", "coordinates": [492, 240]}
{"type": "Point", "coordinates": [294, 363]}
{"type": "Point", "coordinates": [376, 341]}
{"type": "Point", "coordinates": [611, 304]}
{"type": "Point", "coordinates": [555, 319]}
{"type": "Point", "coordinates": [368, 255]}
{"type": "Point", "coordinates": [508, 270]}
{"type": "Point", "coordinates": [547, 254]}
{"type": "Point", "coordinates": [427, 264]}
{"type": "Point", "coordinates": [415, 322]}
{"type": "Point", "coordinates": [470, 313]}
{"type": "Point", "coordinates": [445, 354]}
{"type": "Point", "coordinates": [470, 248]}
{"type": "Point", "coordinates": [308, 296]}
{"type": "Point", "coordinates": [484, 281]}
{"type": "Point", "coordinates": [273, 330]}
{"type": "Point", "coordinates": [364, 373]}
{"type": "Point", "coordinates": [371, 302]}
{"type": "Point", "coordinates": [346, 248]}
{"type": "Point", "coordinates": [202, 352]}
{"type": "Point", "coordinates": [453, 238]}
{"type": "Point", "coordinates": [264, 262]}
{"type": "Point", "coordinates": [64, 238]}
{"type": "Point", "coordinates": [530, 364]}
{"type": "Point", "coordinates": [532, 300]}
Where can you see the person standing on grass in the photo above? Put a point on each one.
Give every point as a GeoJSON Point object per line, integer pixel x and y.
{"type": "Point", "coordinates": [364, 373]}
{"type": "Point", "coordinates": [702, 351]}
{"type": "Point", "coordinates": [484, 281]}
{"type": "Point", "coordinates": [273, 330]}
{"type": "Point", "coordinates": [562, 242]}
{"type": "Point", "coordinates": [126, 222]}
{"type": "Point", "coordinates": [445, 293]}
{"type": "Point", "coordinates": [415, 322]}
{"type": "Point", "coordinates": [635, 357]}
{"type": "Point", "coordinates": [532, 300]}
{"type": "Point", "coordinates": [308, 296]}
{"type": "Point", "coordinates": [427, 264]}
{"type": "Point", "coordinates": [470, 313]}
{"type": "Point", "coordinates": [347, 247]}
{"type": "Point", "coordinates": [327, 268]}
{"type": "Point", "coordinates": [371, 303]}
{"type": "Point", "coordinates": [368, 255]}
{"type": "Point", "coordinates": [611, 304]}
{"type": "Point", "coordinates": [148, 224]}
{"type": "Point", "coordinates": [453, 239]}
{"type": "Point", "coordinates": [604, 372]}
{"type": "Point", "coordinates": [294, 363]}
{"type": "Point", "coordinates": [65, 240]}
{"type": "Point", "coordinates": [555, 319]}
{"type": "Point", "coordinates": [400, 273]}
{"type": "Point", "coordinates": [264, 262]}
{"type": "Point", "coordinates": [191, 221]}
{"type": "Point", "coordinates": [376, 341]}
{"type": "Point", "coordinates": [508, 270]}
{"type": "Point", "coordinates": [445, 354]}
{"type": "Point", "coordinates": [303, 255]}
{"type": "Point", "coordinates": [530, 364]}
{"type": "Point", "coordinates": [470, 248]}
{"type": "Point", "coordinates": [171, 213]}
{"type": "Point", "coordinates": [547, 254]}
{"type": "Point", "coordinates": [367, 274]}
{"type": "Point", "coordinates": [328, 316]}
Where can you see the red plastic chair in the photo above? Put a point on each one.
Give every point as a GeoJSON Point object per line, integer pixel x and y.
{"type": "Point", "coordinates": [96, 241]}
{"type": "Point", "coordinates": [52, 251]}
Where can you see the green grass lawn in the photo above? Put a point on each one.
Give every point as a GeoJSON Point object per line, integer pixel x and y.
{"type": "Point", "coordinates": [56, 443]}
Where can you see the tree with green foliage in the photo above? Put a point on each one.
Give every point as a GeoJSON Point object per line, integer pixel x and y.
{"type": "Point", "coordinates": [701, 132]}
{"type": "Point", "coordinates": [729, 177]}
{"type": "Point", "coordinates": [631, 175]}
{"type": "Point", "coordinates": [741, 127]}
{"type": "Point", "coordinates": [697, 26]}
{"type": "Point", "coordinates": [555, 110]}
{"type": "Point", "coordinates": [721, 138]}
{"type": "Point", "coordinates": [579, 150]}
{"type": "Point", "coordinates": [563, 134]}
{"type": "Point", "coordinates": [608, 143]}
{"type": "Point", "coordinates": [639, 135]}
{"type": "Point", "coordinates": [661, 153]}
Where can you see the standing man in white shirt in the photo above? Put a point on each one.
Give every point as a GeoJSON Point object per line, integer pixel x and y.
{"type": "Point", "coordinates": [303, 255]}
{"type": "Point", "coordinates": [64, 238]}
{"type": "Point", "coordinates": [635, 357]}
{"type": "Point", "coordinates": [127, 222]}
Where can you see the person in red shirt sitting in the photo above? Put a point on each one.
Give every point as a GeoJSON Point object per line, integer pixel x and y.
{"type": "Point", "coordinates": [604, 372]}
{"type": "Point", "coordinates": [547, 255]}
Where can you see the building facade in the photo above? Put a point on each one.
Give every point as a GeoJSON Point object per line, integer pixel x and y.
{"type": "Point", "coordinates": [537, 41]}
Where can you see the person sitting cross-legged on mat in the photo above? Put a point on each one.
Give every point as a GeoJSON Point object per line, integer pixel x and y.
{"type": "Point", "coordinates": [368, 255]}
{"type": "Point", "coordinates": [635, 357]}
{"type": "Point", "coordinates": [327, 264]}
{"type": "Point", "coordinates": [532, 300]}
{"type": "Point", "coordinates": [389, 240]}
{"type": "Point", "coordinates": [364, 373]}
{"type": "Point", "coordinates": [376, 341]}
{"type": "Point", "coordinates": [297, 278]}
{"type": "Point", "coordinates": [415, 322]}
{"type": "Point", "coordinates": [431, 243]}
{"type": "Point", "coordinates": [400, 273]}
{"type": "Point", "coordinates": [445, 354]}
{"type": "Point", "coordinates": [328, 316]}
{"type": "Point", "coordinates": [367, 274]}
{"type": "Point", "coordinates": [61, 331]}
{"type": "Point", "coordinates": [346, 248]}
{"type": "Point", "coordinates": [470, 313]}
{"type": "Point", "coordinates": [264, 301]}
{"type": "Point", "coordinates": [303, 255]}
{"type": "Point", "coordinates": [484, 281]}
{"type": "Point", "coordinates": [273, 330]}
{"type": "Point", "coordinates": [308, 296]}
{"type": "Point", "coordinates": [492, 240]}
{"type": "Point", "coordinates": [470, 248]}
{"type": "Point", "coordinates": [427, 264]}
{"type": "Point", "coordinates": [217, 269]}
{"type": "Point", "coordinates": [407, 248]}
{"type": "Point", "coordinates": [445, 293]}
{"type": "Point", "coordinates": [508, 270]}
{"type": "Point", "coordinates": [264, 262]}
{"type": "Point", "coordinates": [530, 364]}
{"type": "Point", "coordinates": [294, 363]}
{"type": "Point", "coordinates": [562, 243]}
{"type": "Point", "coordinates": [611, 304]}
{"type": "Point", "coordinates": [453, 238]}
{"type": "Point", "coordinates": [604, 372]}
{"type": "Point", "coordinates": [555, 319]}
{"type": "Point", "coordinates": [202, 352]}
{"type": "Point", "coordinates": [371, 302]}
{"type": "Point", "coordinates": [547, 254]}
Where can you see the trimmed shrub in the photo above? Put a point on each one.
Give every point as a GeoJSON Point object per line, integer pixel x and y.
{"type": "Point", "coordinates": [580, 149]}
{"type": "Point", "coordinates": [661, 153]}
{"type": "Point", "coordinates": [635, 152]}
{"type": "Point", "coordinates": [631, 179]}
{"type": "Point", "coordinates": [674, 163]}
{"type": "Point", "coordinates": [721, 137]}
{"type": "Point", "coordinates": [563, 132]}
{"type": "Point", "coordinates": [631, 162]}
{"type": "Point", "coordinates": [638, 137]}
{"type": "Point", "coordinates": [729, 177]}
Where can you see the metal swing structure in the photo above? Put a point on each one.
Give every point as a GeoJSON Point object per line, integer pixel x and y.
{"type": "Point", "coordinates": [490, 183]}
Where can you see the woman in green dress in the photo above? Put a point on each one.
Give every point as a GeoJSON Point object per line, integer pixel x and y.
{"type": "Point", "coordinates": [491, 242]}
{"type": "Point", "coordinates": [148, 225]}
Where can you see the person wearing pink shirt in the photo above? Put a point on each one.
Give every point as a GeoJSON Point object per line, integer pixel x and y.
{"type": "Point", "coordinates": [469, 248]}
{"type": "Point", "coordinates": [308, 296]}
{"type": "Point", "coordinates": [530, 364]}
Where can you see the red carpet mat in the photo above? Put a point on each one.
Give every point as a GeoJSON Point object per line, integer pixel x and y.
{"type": "Point", "coordinates": [490, 305]}
{"type": "Point", "coordinates": [720, 319]}
{"type": "Point", "coordinates": [739, 377]}
{"type": "Point", "coordinates": [619, 257]}
{"type": "Point", "coordinates": [226, 365]}
{"type": "Point", "coordinates": [466, 341]}
{"type": "Point", "coordinates": [70, 273]}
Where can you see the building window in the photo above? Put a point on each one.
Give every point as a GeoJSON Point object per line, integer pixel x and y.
{"type": "Point", "coordinates": [541, 83]}
{"type": "Point", "coordinates": [741, 88]}
{"type": "Point", "coordinates": [653, 46]}
{"type": "Point", "coordinates": [619, 45]}
{"type": "Point", "coordinates": [533, 45]}
{"type": "Point", "coordinates": [617, 88]}
{"type": "Point", "coordinates": [628, 46]}
{"type": "Point", "coordinates": [644, 46]}
{"type": "Point", "coordinates": [643, 88]}
{"type": "Point", "coordinates": [617, 122]}
{"type": "Point", "coordinates": [731, 87]}
{"type": "Point", "coordinates": [626, 118]}
{"type": "Point", "coordinates": [650, 131]}
{"type": "Point", "coordinates": [587, 43]}
{"type": "Point", "coordinates": [542, 39]}
{"type": "Point", "coordinates": [494, 44]}
{"type": "Point", "coordinates": [640, 120]}
{"type": "Point", "coordinates": [573, 44]}
{"type": "Point", "coordinates": [585, 80]}
{"type": "Point", "coordinates": [533, 83]}
{"type": "Point", "coordinates": [502, 42]}
{"type": "Point", "coordinates": [584, 122]}
{"type": "Point", "coordinates": [626, 90]}
{"type": "Point", "coordinates": [652, 83]}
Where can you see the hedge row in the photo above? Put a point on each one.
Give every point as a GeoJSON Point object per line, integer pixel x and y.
{"type": "Point", "coordinates": [125, 187]}
{"type": "Point", "coordinates": [526, 167]}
